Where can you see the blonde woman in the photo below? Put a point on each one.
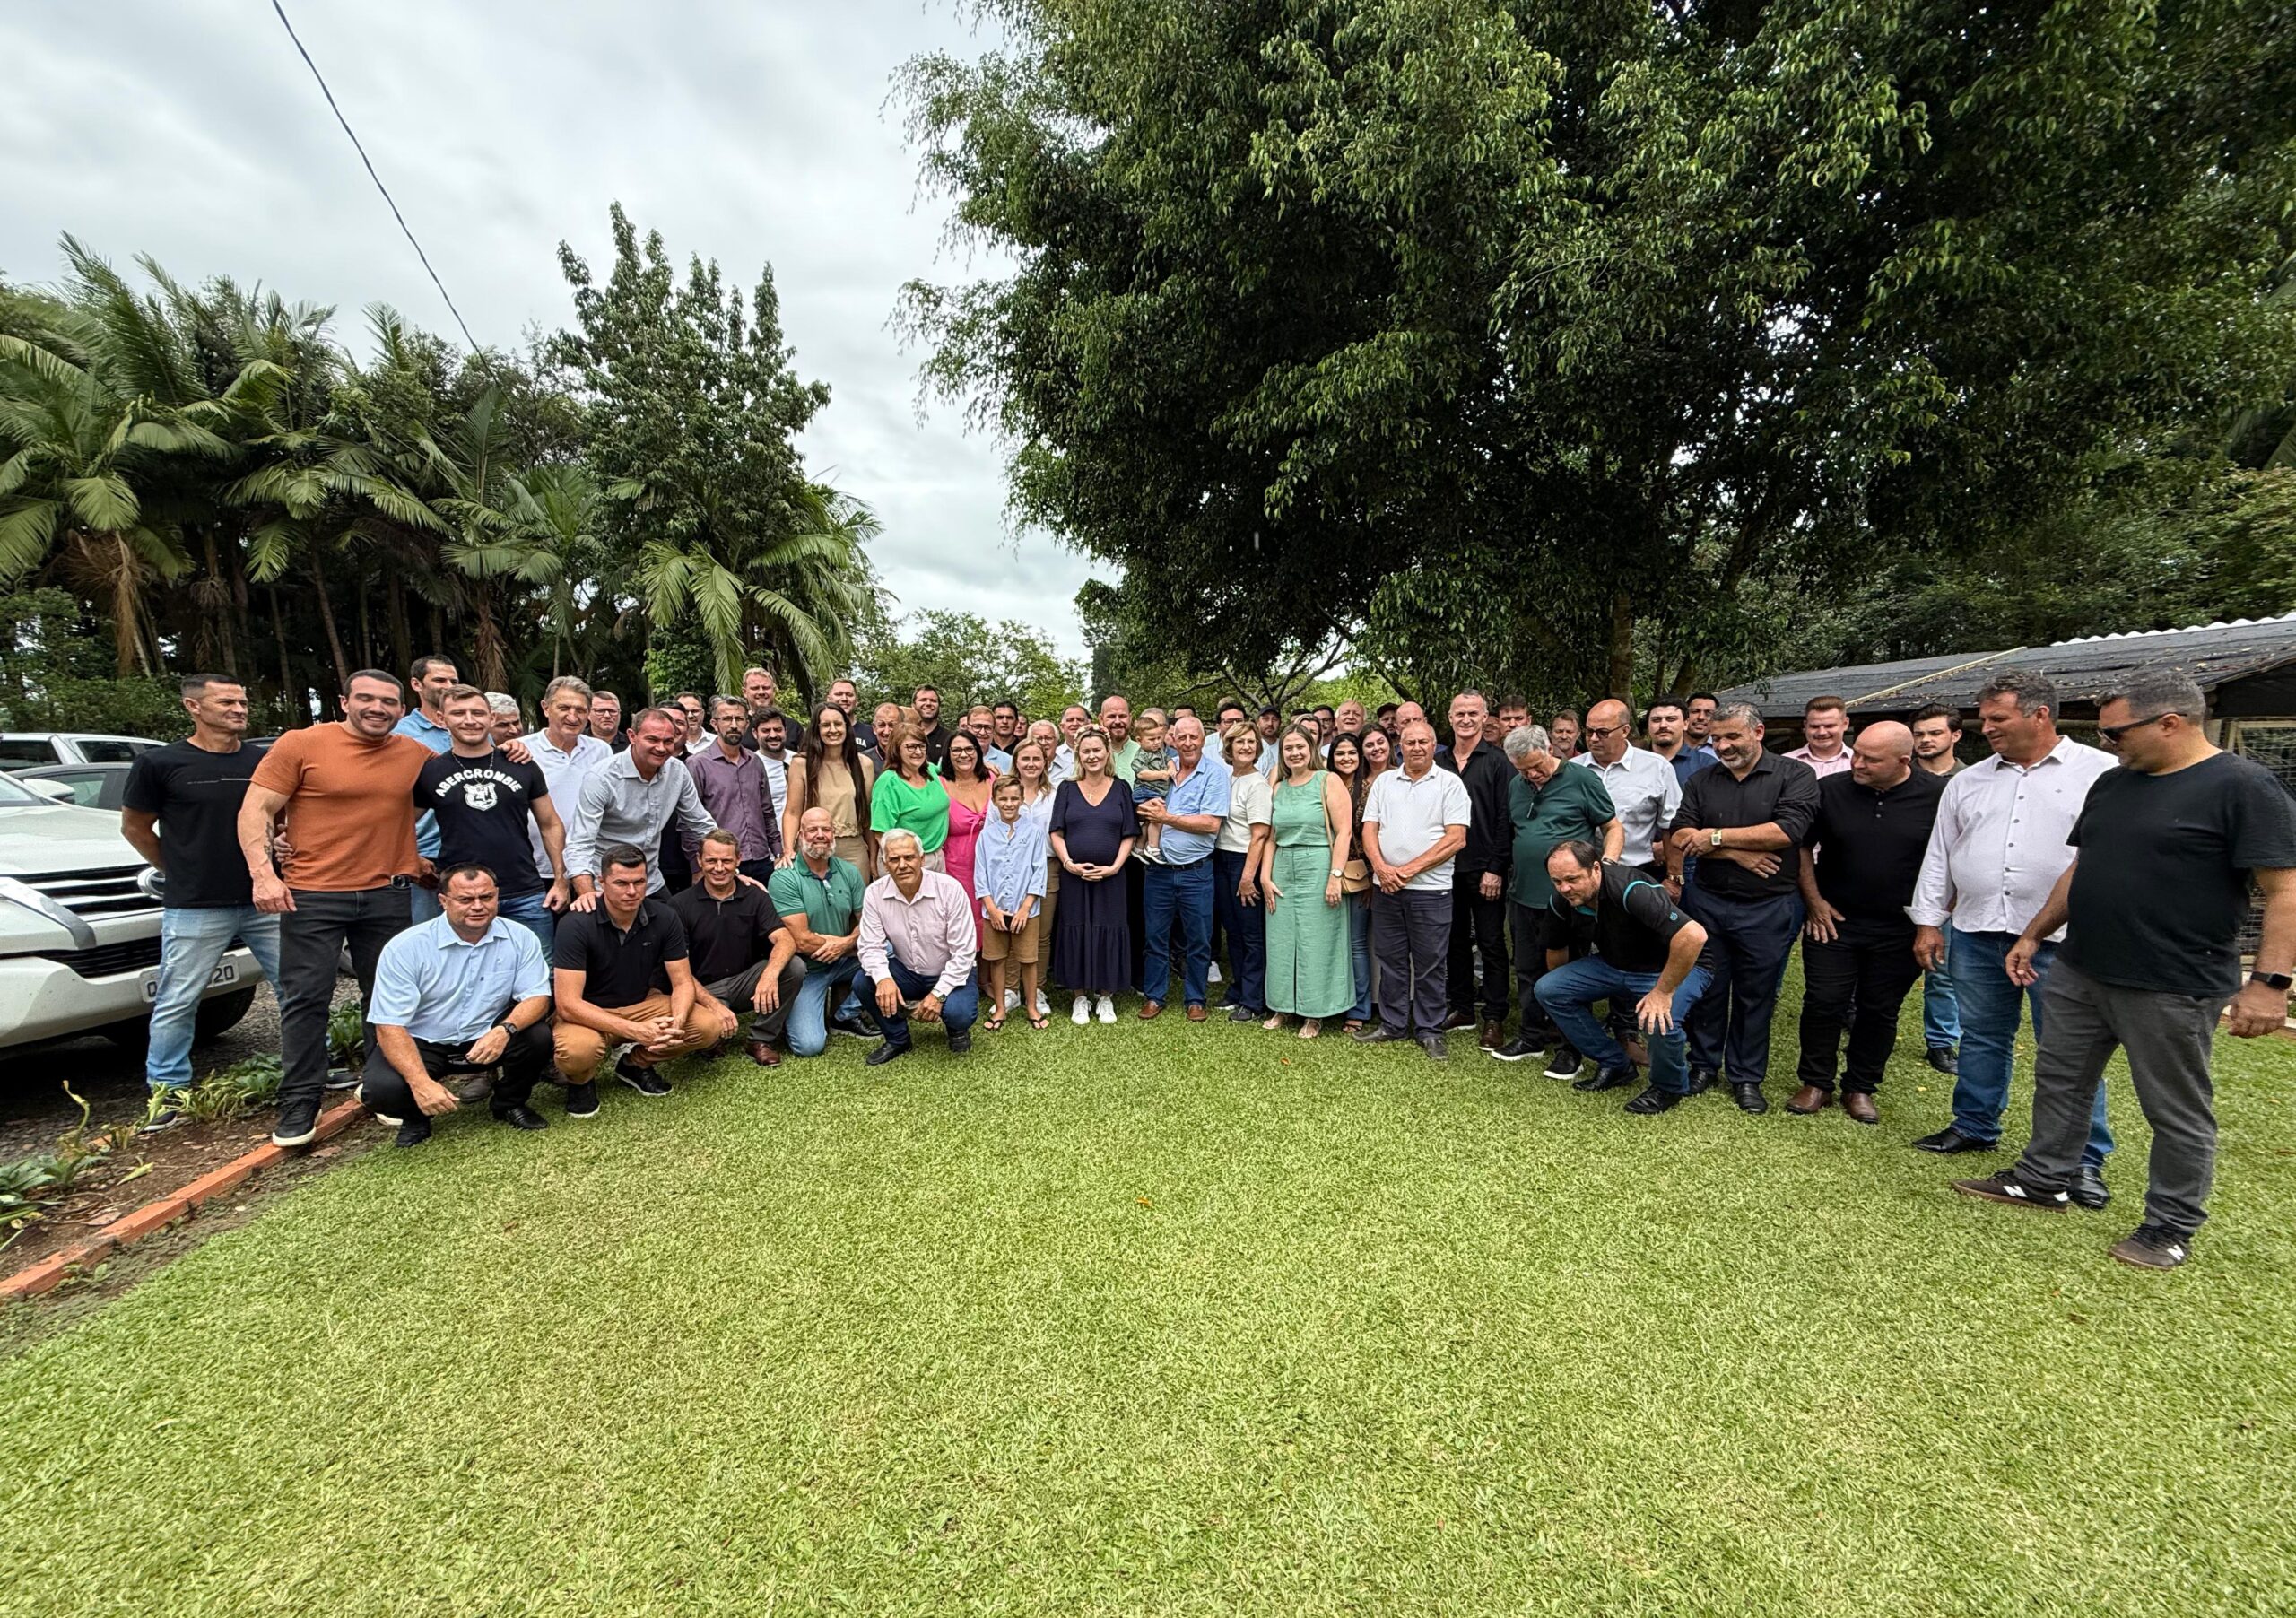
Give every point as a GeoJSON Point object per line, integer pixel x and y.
{"type": "Point", "coordinates": [1093, 829]}
{"type": "Point", "coordinates": [1310, 832]}
{"type": "Point", "coordinates": [1236, 859]}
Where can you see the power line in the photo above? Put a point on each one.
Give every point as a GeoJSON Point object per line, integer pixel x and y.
{"type": "Point", "coordinates": [378, 179]}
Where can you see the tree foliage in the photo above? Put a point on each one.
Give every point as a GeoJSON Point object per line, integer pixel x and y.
{"type": "Point", "coordinates": [967, 660]}
{"type": "Point", "coordinates": [1545, 341]}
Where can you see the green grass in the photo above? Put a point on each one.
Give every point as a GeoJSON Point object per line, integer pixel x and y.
{"type": "Point", "coordinates": [1177, 1320]}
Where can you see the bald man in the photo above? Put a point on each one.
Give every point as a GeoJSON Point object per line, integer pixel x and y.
{"type": "Point", "coordinates": [1859, 863]}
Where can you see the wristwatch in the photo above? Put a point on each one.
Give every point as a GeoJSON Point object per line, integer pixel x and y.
{"type": "Point", "coordinates": [1338, 871]}
{"type": "Point", "coordinates": [2281, 981]}
{"type": "Point", "coordinates": [1714, 838]}
{"type": "Point", "coordinates": [509, 1029]}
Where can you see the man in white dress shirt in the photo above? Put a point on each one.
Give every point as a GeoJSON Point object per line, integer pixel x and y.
{"type": "Point", "coordinates": [1997, 849]}
{"type": "Point", "coordinates": [564, 750]}
{"type": "Point", "coordinates": [1643, 787]}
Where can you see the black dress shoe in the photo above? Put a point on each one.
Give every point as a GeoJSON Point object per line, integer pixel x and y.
{"type": "Point", "coordinates": [1433, 1044]}
{"type": "Point", "coordinates": [1653, 1100]}
{"type": "Point", "coordinates": [1460, 1019]}
{"type": "Point", "coordinates": [414, 1131]}
{"type": "Point", "coordinates": [1378, 1033]}
{"type": "Point", "coordinates": [1608, 1078]}
{"type": "Point", "coordinates": [959, 1043]}
{"type": "Point", "coordinates": [1701, 1080]}
{"type": "Point", "coordinates": [1945, 1058]}
{"type": "Point", "coordinates": [521, 1116]}
{"type": "Point", "coordinates": [2089, 1189]}
{"type": "Point", "coordinates": [1949, 1142]}
{"type": "Point", "coordinates": [886, 1051]}
{"type": "Point", "coordinates": [1750, 1097]}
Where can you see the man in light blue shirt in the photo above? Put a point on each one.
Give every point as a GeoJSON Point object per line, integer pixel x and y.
{"type": "Point", "coordinates": [463, 993]}
{"type": "Point", "coordinates": [430, 679]}
{"type": "Point", "coordinates": [1178, 887]}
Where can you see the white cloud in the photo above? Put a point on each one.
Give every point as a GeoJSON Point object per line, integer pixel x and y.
{"type": "Point", "coordinates": [750, 134]}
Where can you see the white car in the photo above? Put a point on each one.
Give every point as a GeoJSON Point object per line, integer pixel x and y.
{"type": "Point", "coordinates": [22, 749]}
{"type": "Point", "coordinates": [80, 930]}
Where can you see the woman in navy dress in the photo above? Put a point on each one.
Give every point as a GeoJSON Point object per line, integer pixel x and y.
{"type": "Point", "coordinates": [1092, 831]}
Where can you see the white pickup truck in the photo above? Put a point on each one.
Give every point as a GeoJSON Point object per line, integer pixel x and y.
{"type": "Point", "coordinates": [80, 930]}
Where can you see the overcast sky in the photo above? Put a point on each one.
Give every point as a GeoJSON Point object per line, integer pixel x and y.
{"type": "Point", "coordinates": [747, 133]}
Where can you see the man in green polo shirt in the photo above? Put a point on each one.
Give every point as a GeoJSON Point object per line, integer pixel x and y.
{"type": "Point", "coordinates": [818, 897]}
{"type": "Point", "coordinates": [1548, 805]}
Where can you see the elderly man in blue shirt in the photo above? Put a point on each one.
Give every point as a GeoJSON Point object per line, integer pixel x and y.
{"type": "Point", "coordinates": [462, 993]}
{"type": "Point", "coordinates": [1178, 887]}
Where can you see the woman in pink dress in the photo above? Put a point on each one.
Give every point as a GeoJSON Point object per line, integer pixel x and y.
{"type": "Point", "coordinates": [966, 779]}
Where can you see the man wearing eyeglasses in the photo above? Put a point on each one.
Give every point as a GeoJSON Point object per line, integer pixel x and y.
{"type": "Point", "coordinates": [1996, 849]}
{"type": "Point", "coordinates": [2152, 907]}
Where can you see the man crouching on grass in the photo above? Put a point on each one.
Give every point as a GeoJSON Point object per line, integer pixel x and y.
{"type": "Point", "coordinates": [918, 947]}
{"type": "Point", "coordinates": [462, 993]}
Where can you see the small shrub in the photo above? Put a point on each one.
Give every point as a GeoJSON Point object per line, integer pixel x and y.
{"type": "Point", "coordinates": [346, 1036]}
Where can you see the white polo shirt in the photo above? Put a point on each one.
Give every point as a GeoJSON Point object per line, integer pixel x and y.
{"type": "Point", "coordinates": [1412, 816]}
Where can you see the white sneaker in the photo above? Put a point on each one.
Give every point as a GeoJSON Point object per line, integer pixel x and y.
{"type": "Point", "coordinates": [1106, 1009]}
{"type": "Point", "coordinates": [1044, 1007]}
{"type": "Point", "coordinates": [1081, 1012]}
{"type": "Point", "coordinates": [1211, 973]}
{"type": "Point", "coordinates": [1011, 999]}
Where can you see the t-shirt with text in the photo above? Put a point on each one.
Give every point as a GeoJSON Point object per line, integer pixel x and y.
{"type": "Point", "coordinates": [485, 810]}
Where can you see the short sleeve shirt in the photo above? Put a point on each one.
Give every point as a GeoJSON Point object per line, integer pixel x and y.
{"type": "Point", "coordinates": [439, 987]}
{"type": "Point", "coordinates": [350, 806]}
{"type": "Point", "coordinates": [1413, 815]}
{"type": "Point", "coordinates": [725, 936]}
{"type": "Point", "coordinates": [196, 794]}
{"type": "Point", "coordinates": [831, 904]}
{"type": "Point", "coordinates": [620, 967]}
{"type": "Point", "coordinates": [485, 811]}
{"type": "Point", "coordinates": [1630, 926]}
{"type": "Point", "coordinates": [1573, 803]}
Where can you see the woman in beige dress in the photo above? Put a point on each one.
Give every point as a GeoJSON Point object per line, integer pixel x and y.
{"type": "Point", "coordinates": [832, 774]}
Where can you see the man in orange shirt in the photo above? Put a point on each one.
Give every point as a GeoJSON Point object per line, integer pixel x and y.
{"type": "Point", "coordinates": [346, 793]}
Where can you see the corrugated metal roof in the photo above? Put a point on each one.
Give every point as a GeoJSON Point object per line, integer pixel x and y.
{"type": "Point", "coordinates": [2084, 669]}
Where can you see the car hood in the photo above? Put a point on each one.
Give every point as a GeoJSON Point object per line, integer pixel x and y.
{"type": "Point", "coordinates": [37, 839]}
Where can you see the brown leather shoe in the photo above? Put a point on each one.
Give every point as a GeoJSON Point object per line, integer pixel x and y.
{"type": "Point", "coordinates": [1859, 1105]}
{"type": "Point", "coordinates": [1493, 1036]}
{"type": "Point", "coordinates": [1150, 1010]}
{"type": "Point", "coordinates": [1810, 1099]}
{"type": "Point", "coordinates": [1195, 1011]}
{"type": "Point", "coordinates": [764, 1055]}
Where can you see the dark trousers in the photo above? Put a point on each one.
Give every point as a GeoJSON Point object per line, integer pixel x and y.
{"type": "Point", "coordinates": [312, 938]}
{"type": "Point", "coordinates": [740, 992]}
{"type": "Point", "coordinates": [1861, 978]}
{"type": "Point", "coordinates": [525, 1059]}
{"type": "Point", "coordinates": [1411, 939]}
{"type": "Point", "coordinates": [2167, 1037]}
{"type": "Point", "coordinates": [1748, 943]}
{"type": "Point", "coordinates": [1246, 926]}
{"type": "Point", "coordinates": [956, 1012]}
{"type": "Point", "coordinates": [1478, 924]}
{"type": "Point", "coordinates": [1181, 895]}
{"type": "Point", "coordinates": [1528, 925]}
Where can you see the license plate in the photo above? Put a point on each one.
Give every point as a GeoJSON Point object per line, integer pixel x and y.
{"type": "Point", "coordinates": [228, 972]}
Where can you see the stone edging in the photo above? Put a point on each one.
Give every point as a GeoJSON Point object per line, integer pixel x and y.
{"type": "Point", "coordinates": [51, 1272]}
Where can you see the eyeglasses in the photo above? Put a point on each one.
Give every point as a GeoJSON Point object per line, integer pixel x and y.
{"type": "Point", "coordinates": [2110, 734]}
{"type": "Point", "coordinates": [1599, 731]}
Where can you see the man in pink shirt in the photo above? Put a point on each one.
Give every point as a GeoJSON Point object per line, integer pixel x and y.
{"type": "Point", "coordinates": [1825, 736]}
{"type": "Point", "coordinates": [917, 948]}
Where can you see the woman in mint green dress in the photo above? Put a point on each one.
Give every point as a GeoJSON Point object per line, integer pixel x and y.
{"type": "Point", "coordinates": [1311, 971]}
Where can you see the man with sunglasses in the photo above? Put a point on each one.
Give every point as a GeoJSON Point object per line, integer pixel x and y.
{"type": "Point", "coordinates": [2152, 907]}
{"type": "Point", "coordinates": [1996, 849]}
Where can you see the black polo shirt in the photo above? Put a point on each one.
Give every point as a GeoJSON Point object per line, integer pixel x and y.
{"type": "Point", "coordinates": [727, 936]}
{"type": "Point", "coordinates": [619, 969]}
{"type": "Point", "coordinates": [1776, 788]}
{"type": "Point", "coordinates": [1869, 846]}
{"type": "Point", "coordinates": [1630, 926]}
{"type": "Point", "coordinates": [1490, 831]}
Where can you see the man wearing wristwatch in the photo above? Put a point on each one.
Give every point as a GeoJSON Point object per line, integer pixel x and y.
{"type": "Point", "coordinates": [462, 993]}
{"type": "Point", "coordinates": [2166, 847]}
{"type": "Point", "coordinates": [1743, 821]}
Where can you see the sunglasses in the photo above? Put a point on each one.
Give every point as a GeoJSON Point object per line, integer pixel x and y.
{"type": "Point", "coordinates": [2110, 734]}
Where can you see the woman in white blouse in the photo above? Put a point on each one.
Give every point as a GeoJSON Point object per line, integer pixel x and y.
{"type": "Point", "coordinates": [1235, 890]}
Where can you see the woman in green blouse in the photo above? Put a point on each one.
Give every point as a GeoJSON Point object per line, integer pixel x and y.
{"type": "Point", "coordinates": [908, 797]}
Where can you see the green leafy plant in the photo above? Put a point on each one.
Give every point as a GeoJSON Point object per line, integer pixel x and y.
{"type": "Point", "coordinates": [227, 1093]}
{"type": "Point", "coordinates": [346, 1035]}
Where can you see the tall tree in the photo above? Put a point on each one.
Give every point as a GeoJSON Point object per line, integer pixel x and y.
{"type": "Point", "coordinates": [1590, 336]}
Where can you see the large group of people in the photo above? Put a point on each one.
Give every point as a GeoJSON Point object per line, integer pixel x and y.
{"type": "Point", "coordinates": [629, 885]}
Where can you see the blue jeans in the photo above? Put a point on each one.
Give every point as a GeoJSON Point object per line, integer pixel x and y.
{"type": "Point", "coordinates": [529, 911]}
{"type": "Point", "coordinates": [1246, 926]}
{"type": "Point", "coordinates": [1566, 993]}
{"type": "Point", "coordinates": [1989, 1004]}
{"type": "Point", "coordinates": [421, 906]}
{"type": "Point", "coordinates": [1941, 1012]}
{"type": "Point", "coordinates": [1359, 945]}
{"type": "Point", "coordinates": [191, 942]}
{"type": "Point", "coordinates": [1182, 891]}
{"type": "Point", "coordinates": [809, 1012]}
{"type": "Point", "coordinates": [956, 1012]}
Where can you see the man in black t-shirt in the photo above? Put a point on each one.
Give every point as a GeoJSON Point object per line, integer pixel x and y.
{"type": "Point", "coordinates": [2153, 904]}
{"type": "Point", "coordinates": [490, 810]}
{"type": "Point", "coordinates": [1858, 864]}
{"type": "Point", "coordinates": [1642, 948]}
{"type": "Point", "coordinates": [620, 973]}
{"type": "Point", "coordinates": [743, 960]}
{"type": "Point", "coordinates": [181, 812]}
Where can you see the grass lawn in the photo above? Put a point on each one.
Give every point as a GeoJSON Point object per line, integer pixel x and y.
{"type": "Point", "coordinates": [1179, 1319]}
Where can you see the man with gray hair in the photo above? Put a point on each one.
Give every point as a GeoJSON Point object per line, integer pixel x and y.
{"type": "Point", "coordinates": [1996, 849]}
{"type": "Point", "coordinates": [506, 723]}
{"type": "Point", "coordinates": [632, 800]}
{"type": "Point", "coordinates": [918, 943]}
{"type": "Point", "coordinates": [1547, 805]}
{"type": "Point", "coordinates": [1743, 820]}
{"type": "Point", "coordinates": [2151, 905]}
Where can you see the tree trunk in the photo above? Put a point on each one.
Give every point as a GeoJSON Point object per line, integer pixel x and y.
{"type": "Point", "coordinates": [486, 642]}
{"type": "Point", "coordinates": [401, 648]}
{"type": "Point", "coordinates": [327, 617]}
{"type": "Point", "coordinates": [286, 666]}
{"type": "Point", "coordinates": [1620, 647]}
